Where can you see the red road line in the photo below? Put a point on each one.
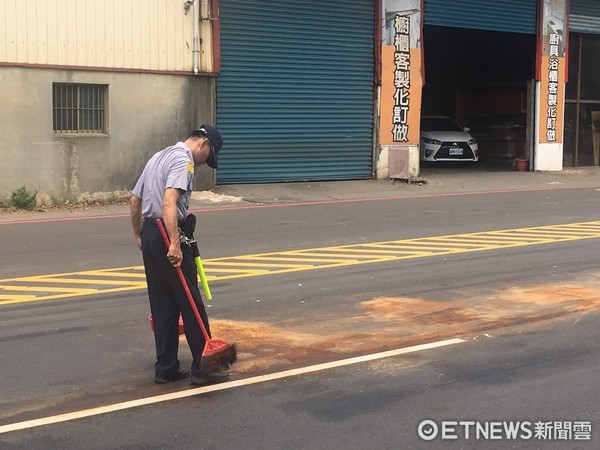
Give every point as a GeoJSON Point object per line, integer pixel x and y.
{"type": "Point", "coordinates": [310, 203]}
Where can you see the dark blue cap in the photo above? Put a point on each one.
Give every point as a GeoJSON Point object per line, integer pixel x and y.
{"type": "Point", "coordinates": [216, 142]}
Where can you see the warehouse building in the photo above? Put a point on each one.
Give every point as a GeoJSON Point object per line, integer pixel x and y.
{"type": "Point", "coordinates": [302, 90]}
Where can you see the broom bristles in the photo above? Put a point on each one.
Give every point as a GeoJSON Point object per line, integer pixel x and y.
{"type": "Point", "coordinates": [219, 352]}
{"type": "Point", "coordinates": [228, 356]}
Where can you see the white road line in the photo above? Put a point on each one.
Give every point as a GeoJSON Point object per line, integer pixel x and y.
{"type": "Point", "coordinates": [220, 387]}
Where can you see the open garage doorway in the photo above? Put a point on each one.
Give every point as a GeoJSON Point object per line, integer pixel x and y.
{"type": "Point", "coordinates": [482, 79]}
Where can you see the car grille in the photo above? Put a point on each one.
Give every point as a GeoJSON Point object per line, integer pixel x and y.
{"type": "Point", "coordinates": [444, 151]}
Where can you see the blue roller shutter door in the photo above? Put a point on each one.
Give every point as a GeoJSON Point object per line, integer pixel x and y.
{"type": "Point", "coordinates": [515, 16]}
{"type": "Point", "coordinates": [585, 16]}
{"type": "Point", "coordinates": [295, 93]}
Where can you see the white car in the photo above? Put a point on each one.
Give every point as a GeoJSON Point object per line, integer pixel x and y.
{"type": "Point", "coordinates": [442, 139]}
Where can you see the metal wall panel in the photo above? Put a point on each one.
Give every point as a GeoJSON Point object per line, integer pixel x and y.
{"type": "Point", "coordinates": [516, 16]}
{"type": "Point", "coordinates": [584, 16]}
{"type": "Point", "coordinates": [295, 94]}
{"type": "Point", "coordinates": [123, 34]}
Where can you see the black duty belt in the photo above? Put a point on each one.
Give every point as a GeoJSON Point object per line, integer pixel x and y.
{"type": "Point", "coordinates": [148, 221]}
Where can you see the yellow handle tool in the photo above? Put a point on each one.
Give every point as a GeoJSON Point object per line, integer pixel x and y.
{"type": "Point", "coordinates": [202, 274]}
{"type": "Point", "coordinates": [190, 227]}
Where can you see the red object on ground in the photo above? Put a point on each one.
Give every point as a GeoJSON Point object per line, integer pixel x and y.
{"type": "Point", "coordinates": [181, 329]}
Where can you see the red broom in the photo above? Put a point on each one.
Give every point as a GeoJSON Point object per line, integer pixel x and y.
{"type": "Point", "coordinates": [217, 353]}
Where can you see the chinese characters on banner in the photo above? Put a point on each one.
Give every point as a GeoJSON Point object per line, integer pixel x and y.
{"type": "Point", "coordinates": [552, 71]}
{"type": "Point", "coordinates": [401, 73]}
{"type": "Point", "coordinates": [552, 99]}
{"type": "Point", "coordinates": [401, 78]}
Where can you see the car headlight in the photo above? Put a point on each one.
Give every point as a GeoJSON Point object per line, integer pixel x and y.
{"type": "Point", "coordinates": [472, 142]}
{"type": "Point", "coordinates": [432, 141]}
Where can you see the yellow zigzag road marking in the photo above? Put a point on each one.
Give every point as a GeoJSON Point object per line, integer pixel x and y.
{"type": "Point", "coordinates": [55, 286]}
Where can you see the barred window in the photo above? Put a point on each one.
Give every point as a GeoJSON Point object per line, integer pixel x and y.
{"type": "Point", "coordinates": [79, 108]}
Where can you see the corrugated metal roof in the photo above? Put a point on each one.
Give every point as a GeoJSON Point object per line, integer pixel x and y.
{"type": "Point", "coordinates": [123, 34]}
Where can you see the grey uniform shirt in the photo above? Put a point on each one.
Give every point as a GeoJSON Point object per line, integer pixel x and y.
{"type": "Point", "coordinates": [172, 167]}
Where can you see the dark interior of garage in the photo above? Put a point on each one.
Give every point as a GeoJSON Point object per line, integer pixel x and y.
{"type": "Point", "coordinates": [480, 78]}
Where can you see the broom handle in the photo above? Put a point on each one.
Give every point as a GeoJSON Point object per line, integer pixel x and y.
{"type": "Point", "coordinates": [163, 232]}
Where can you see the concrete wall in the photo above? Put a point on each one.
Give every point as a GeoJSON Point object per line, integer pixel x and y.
{"type": "Point", "coordinates": [147, 112]}
{"type": "Point", "coordinates": [398, 162]}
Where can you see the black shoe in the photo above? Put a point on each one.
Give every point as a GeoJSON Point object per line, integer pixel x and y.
{"type": "Point", "coordinates": [210, 378]}
{"type": "Point", "coordinates": [180, 375]}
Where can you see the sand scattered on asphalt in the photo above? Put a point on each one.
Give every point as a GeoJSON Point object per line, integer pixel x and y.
{"type": "Point", "coordinates": [384, 323]}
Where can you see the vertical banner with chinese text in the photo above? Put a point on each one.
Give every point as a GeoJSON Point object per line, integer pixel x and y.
{"type": "Point", "coordinates": [552, 70]}
{"type": "Point", "coordinates": [401, 75]}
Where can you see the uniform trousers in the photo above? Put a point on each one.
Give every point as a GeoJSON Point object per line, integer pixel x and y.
{"type": "Point", "coordinates": [168, 299]}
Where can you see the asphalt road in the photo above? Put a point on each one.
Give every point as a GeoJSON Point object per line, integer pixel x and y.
{"type": "Point", "coordinates": [525, 376]}
{"type": "Point", "coordinates": [528, 317]}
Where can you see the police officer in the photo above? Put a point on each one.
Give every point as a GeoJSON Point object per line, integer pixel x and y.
{"type": "Point", "coordinates": [163, 191]}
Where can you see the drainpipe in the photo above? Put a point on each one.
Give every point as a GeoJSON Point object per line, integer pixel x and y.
{"type": "Point", "coordinates": [187, 4]}
{"type": "Point", "coordinates": [196, 43]}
